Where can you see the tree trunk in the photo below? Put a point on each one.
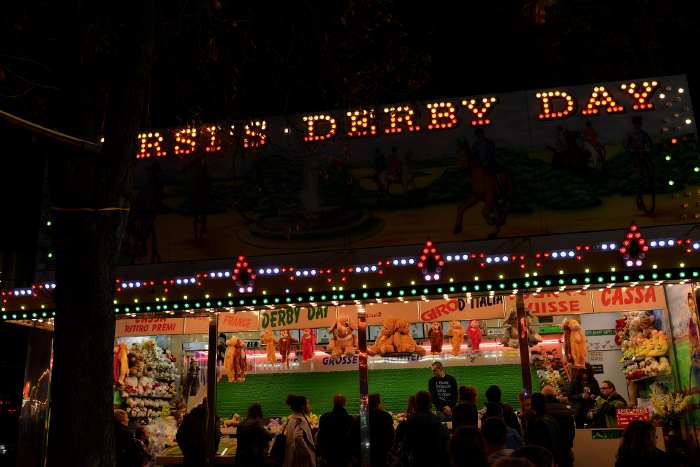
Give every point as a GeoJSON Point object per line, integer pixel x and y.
{"type": "Point", "coordinates": [105, 71]}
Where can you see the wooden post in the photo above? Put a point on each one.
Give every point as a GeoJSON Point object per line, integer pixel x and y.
{"type": "Point", "coordinates": [364, 388]}
{"type": "Point", "coordinates": [211, 390]}
{"type": "Point", "coordinates": [523, 342]}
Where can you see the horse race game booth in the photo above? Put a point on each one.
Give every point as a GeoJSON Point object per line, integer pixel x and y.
{"type": "Point", "coordinates": [635, 328]}
{"type": "Point", "coordinates": [354, 256]}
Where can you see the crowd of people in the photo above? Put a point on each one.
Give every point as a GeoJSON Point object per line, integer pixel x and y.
{"type": "Point", "coordinates": [540, 434]}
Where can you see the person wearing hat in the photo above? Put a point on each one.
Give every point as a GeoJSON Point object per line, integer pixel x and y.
{"type": "Point", "coordinates": [443, 390]}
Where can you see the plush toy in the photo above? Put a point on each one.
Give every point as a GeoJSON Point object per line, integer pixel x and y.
{"type": "Point", "coordinates": [474, 331]}
{"type": "Point", "coordinates": [285, 346]}
{"type": "Point", "coordinates": [403, 341]}
{"type": "Point", "coordinates": [457, 333]}
{"type": "Point", "coordinates": [234, 359]}
{"type": "Point", "coordinates": [510, 331]}
{"type": "Point", "coordinates": [578, 345]}
{"type": "Point", "coordinates": [268, 339]}
{"type": "Point", "coordinates": [343, 340]}
{"type": "Point", "coordinates": [123, 363]}
{"type": "Point", "coordinates": [239, 360]}
{"type": "Point", "coordinates": [436, 337]}
{"type": "Point", "coordinates": [307, 344]}
{"type": "Point", "coordinates": [384, 343]}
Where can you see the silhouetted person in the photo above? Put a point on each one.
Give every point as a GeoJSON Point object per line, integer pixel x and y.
{"type": "Point", "coordinates": [333, 439]}
{"type": "Point", "coordinates": [381, 431]}
{"type": "Point", "coordinates": [638, 448]}
{"type": "Point", "coordinates": [467, 448]}
{"type": "Point", "coordinates": [495, 431]}
{"type": "Point", "coordinates": [426, 438]}
{"type": "Point", "coordinates": [465, 413]}
{"type": "Point", "coordinates": [253, 439]}
{"type": "Point", "coordinates": [493, 394]}
{"type": "Point", "coordinates": [128, 453]}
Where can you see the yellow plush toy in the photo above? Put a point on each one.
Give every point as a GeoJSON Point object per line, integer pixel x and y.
{"type": "Point", "coordinates": [457, 333]}
{"type": "Point", "coordinates": [579, 347]}
{"type": "Point", "coordinates": [268, 339]}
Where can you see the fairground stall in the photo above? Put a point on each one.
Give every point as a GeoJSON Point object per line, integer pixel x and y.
{"type": "Point", "coordinates": [351, 261]}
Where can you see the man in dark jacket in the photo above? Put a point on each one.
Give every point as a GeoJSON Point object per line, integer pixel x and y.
{"type": "Point", "coordinates": [128, 452]}
{"type": "Point", "coordinates": [604, 413]}
{"type": "Point", "coordinates": [565, 419]}
{"type": "Point", "coordinates": [443, 391]}
{"type": "Point", "coordinates": [334, 435]}
{"type": "Point", "coordinates": [425, 439]}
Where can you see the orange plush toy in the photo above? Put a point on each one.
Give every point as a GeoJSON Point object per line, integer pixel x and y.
{"type": "Point", "coordinates": [457, 333]}
{"type": "Point", "coordinates": [268, 339]}
{"type": "Point", "coordinates": [123, 358]}
{"type": "Point", "coordinates": [234, 359]}
{"type": "Point", "coordinates": [385, 340]}
{"type": "Point", "coordinates": [343, 342]}
{"type": "Point", "coordinates": [577, 343]}
{"type": "Point", "coordinates": [403, 341]}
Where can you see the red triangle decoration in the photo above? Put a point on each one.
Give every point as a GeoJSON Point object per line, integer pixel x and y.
{"type": "Point", "coordinates": [634, 247]}
{"type": "Point", "coordinates": [430, 262]}
{"type": "Point", "coordinates": [243, 275]}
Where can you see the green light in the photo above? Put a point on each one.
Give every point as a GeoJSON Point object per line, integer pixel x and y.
{"type": "Point", "coordinates": [352, 295]}
{"type": "Point", "coordinates": [242, 302]}
{"type": "Point", "coordinates": [668, 275]}
{"type": "Point", "coordinates": [476, 287]}
{"type": "Point", "coordinates": [695, 274]}
{"type": "Point", "coordinates": [654, 276]}
{"type": "Point", "coordinates": [668, 157]}
{"type": "Point", "coordinates": [50, 255]}
{"type": "Point", "coordinates": [573, 281]}
{"type": "Point", "coordinates": [364, 295]}
{"type": "Point", "coordinates": [48, 223]}
{"type": "Point", "coordinates": [389, 293]}
{"type": "Point", "coordinates": [323, 297]}
{"type": "Point", "coordinates": [488, 286]}
{"type": "Point", "coordinates": [625, 277]}
{"type": "Point", "coordinates": [219, 303]}
{"type": "Point", "coordinates": [148, 308]}
{"type": "Point", "coordinates": [230, 302]}
{"type": "Point", "coordinates": [696, 169]}
{"type": "Point", "coordinates": [158, 307]}
{"type": "Point", "coordinates": [254, 302]}
{"type": "Point", "coordinates": [464, 288]}
{"type": "Point", "coordinates": [401, 292]}
{"type": "Point", "coordinates": [334, 297]}
{"type": "Point", "coordinates": [413, 291]}
{"type": "Point", "coordinates": [587, 280]}
{"type": "Point", "coordinates": [176, 306]}
{"type": "Point", "coordinates": [671, 183]}
{"type": "Point", "coordinates": [561, 281]}
{"type": "Point", "coordinates": [208, 304]}
{"type": "Point", "coordinates": [547, 282]}
{"type": "Point", "coordinates": [288, 300]}
{"type": "Point", "coordinates": [138, 308]}
{"type": "Point", "coordinates": [535, 283]}
{"type": "Point", "coordinates": [14, 316]}
{"type": "Point", "coordinates": [186, 305]}
{"type": "Point", "coordinates": [527, 284]}
{"type": "Point", "coordinates": [4, 316]}
{"type": "Point", "coordinates": [501, 285]}
{"type": "Point", "coordinates": [425, 291]}
{"type": "Point", "coordinates": [613, 278]}
{"type": "Point", "coordinates": [452, 289]}
{"type": "Point", "coordinates": [641, 277]}
{"type": "Point", "coordinates": [265, 301]}
{"type": "Point", "coordinates": [277, 300]}
{"type": "Point", "coordinates": [377, 294]}
{"type": "Point", "coordinates": [439, 290]}
{"type": "Point", "coordinates": [681, 274]}
{"type": "Point", "coordinates": [341, 296]}
{"type": "Point", "coordinates": [600, 279]}
{"type": "Point", "coordinates": [299, 299]}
